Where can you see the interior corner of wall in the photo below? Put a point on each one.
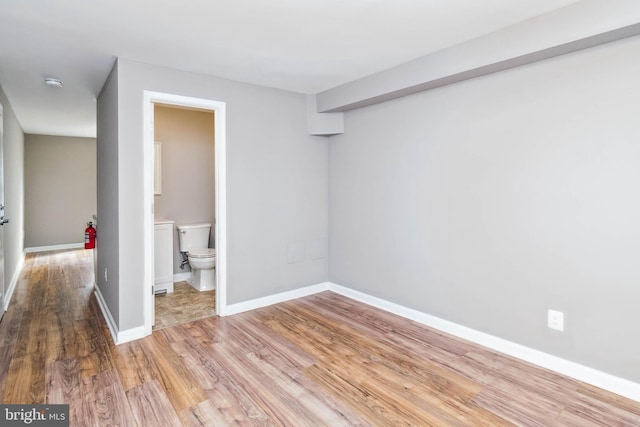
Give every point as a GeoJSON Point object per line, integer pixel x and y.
{"type": "Point", "coordinates": [323, 124]}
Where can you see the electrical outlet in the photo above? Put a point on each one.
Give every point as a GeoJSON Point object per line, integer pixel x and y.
{"type": "Point", "coordinates": [105, 275]}
{"type": "Point", "coordinates": [555, 320]}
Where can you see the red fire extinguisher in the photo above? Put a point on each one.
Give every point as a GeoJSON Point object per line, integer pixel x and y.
{"type": "Point", "coordinates": [89, 236]}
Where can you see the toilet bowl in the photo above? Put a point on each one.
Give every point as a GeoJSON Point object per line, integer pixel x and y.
{"type": "Point", "coordinates": [193, 240]}
{"type": "Point", "coordinates": [202, 262]}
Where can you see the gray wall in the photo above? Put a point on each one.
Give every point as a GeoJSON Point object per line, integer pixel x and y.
{"type": "Point", "coordinates": [188, 170]}
{"type": "Point", "coordinates": [13, 141]}
{"type": "Point", "coordinates": [276, 180]}
{"type": "Point", "coordinates": [108, 179]}
{"type": "Point", "coordinates": [490, 201]}
{"type": "Point", "coordinates": [60, 189]}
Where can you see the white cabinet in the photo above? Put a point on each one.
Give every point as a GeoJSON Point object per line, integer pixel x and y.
{"type": "Point", "coordinates": [163, 254]}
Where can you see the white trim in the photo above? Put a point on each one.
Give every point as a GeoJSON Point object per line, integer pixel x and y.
{"type": "Point", "coordinates": [219, 109]}
{"type": "Point", "coordinates": [14, 282]}
{"type": "Point", "coordinates": [113, 327]}
{"type": "Point", "coordinates": [131, 335]}
{"type": "Point", "coordinates": [220, 227]}
{"type": "Point", "coordinates": [181, 277]}
{"type": "Point", "coordinates": [118, 336]}
{"type": "Point", "coordinates": [277, 298]}
{"type": "Point", "coordinates": [54, 247]}
{"type": "Point", "coordinates": [157, 168]}
{"type": "Point", "coordinates": [148, 298]}
{"type": "Point", "coordinates": [583, 373]}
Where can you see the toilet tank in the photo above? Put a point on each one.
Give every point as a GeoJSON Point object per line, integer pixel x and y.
{"type": "Point", "coordinates": [193, 236]}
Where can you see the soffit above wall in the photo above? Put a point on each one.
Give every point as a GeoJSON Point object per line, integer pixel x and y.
{"type": "Point", "coordinates": [596, 22]}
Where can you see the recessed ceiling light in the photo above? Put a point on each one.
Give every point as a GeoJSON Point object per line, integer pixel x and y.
{"type": "Point", "coordinates": [50, 81]}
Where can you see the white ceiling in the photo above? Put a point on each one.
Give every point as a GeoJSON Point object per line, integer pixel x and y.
{"type": "Point", "coordinates": [299, 45]}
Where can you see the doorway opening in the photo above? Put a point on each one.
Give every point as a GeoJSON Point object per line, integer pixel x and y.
{"type": "Point", "coordinates": [184, 195]}
{"type": "Point", "coordinates": [218, 229]}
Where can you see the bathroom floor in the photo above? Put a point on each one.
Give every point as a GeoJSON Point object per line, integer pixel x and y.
{"type": "Point", "coordinates": [184, 305]}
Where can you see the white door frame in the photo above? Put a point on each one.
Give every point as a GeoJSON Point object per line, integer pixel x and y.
{"type": "Point", "coordinates": [220, 227]}
{"type": "Point", "coordinates": [4, 302]}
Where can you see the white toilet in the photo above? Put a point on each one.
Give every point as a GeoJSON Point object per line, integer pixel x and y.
{"type": "Point", "coordinates": [194, 241]}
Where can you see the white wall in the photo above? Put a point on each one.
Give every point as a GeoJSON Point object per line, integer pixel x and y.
{"type": "Point", "coordinates": [108, 182]}
{"type": "Point", "coordinates": [276, 184]}
{"type": "Point", "coordinates": [489, 201]}
{"type": "Point", "coordinates": [13, 144]}
{"type": "Point", "coordinates": [60, 189]}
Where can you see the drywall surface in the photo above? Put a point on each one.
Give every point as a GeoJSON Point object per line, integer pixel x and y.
{"type": "Point", "coordinates": [276, 184]}
{"type": "Point", "coordinates": [108, 278]}
{"type": "Point", "coordinates": [490, 201]}
{"type": "Point", "coordinates": [60, 189]}
{"type": "Point", "coordinates": [13, 147]}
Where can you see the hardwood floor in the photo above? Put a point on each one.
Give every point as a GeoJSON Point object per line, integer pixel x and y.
{"type": "Point", "coordinates": [184, 304]}
{"type": "Point", "coordinates": [322, 360]}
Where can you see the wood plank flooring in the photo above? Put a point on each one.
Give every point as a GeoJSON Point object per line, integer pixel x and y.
{"type": "Point", "coordinates": [322, 360]}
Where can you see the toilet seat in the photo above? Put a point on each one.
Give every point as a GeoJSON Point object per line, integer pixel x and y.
{"type": "Point", "coordinates": [202, 253]}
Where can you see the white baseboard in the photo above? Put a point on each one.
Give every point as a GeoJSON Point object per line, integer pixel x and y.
{"type": "Point", "coordinates": [54, 247]}
{"type": "Point", "coordinates": [181, 277]}
{"type": "Point", "coordinates": [583, 373]}
{"type": "Point", "coordinates": [580, 372]}
{"type": "Point", "coordinates": [275, 299]}
{"type": "Point", "coordinates": [131, 335]}
{"type": "Point", "coordinates": [14, 282]}
{"type": "Point", "coordinates": [119, 337]}
{"type": "Point", "coordinates": [113, 327]}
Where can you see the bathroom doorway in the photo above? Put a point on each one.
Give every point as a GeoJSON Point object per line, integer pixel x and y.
{"type": "Point", "coordinates": [184, 194]}
{"type": "Point", "coordinates": [209, 204]}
